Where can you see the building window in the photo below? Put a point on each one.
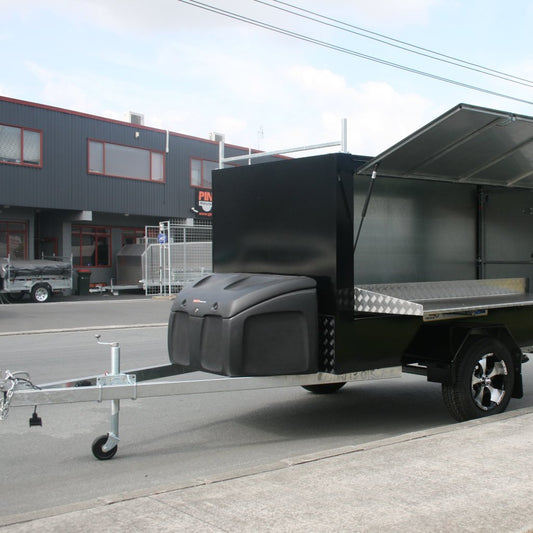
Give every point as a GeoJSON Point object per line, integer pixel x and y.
{"type": "Point", "coordinates": [125, 161]}
{"type": "Point", "coordinates": [48, 247]}
{"type": "Point", "coordinates": [157, 166]}
{"type": "Point", "coordinates": [201, 172]}
{"type": "Point", "coordinates": [13, 239]}
{"type": "Point", "coordinates": [91, 246]}
{"type": "Point", "coordinates": [20, 146]}
{"type": "Point", "coordinates": [132, 236]}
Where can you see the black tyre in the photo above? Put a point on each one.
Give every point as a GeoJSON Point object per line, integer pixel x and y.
{"type": "Point", "coordinates": [41, 293]}
{"type": "Point", "coordinates": [15, 296]}
{"type": "Point", "coordinates": [484, 380]}
{"type": "Point", "coordinates": [324, 388]}
{"type": "Point", "coordinates": [98, 452]}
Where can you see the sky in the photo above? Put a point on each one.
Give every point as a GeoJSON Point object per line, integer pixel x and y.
{"type": "Point", "coordinates": [195, 72]}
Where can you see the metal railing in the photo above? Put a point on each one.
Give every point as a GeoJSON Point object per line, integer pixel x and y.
{"type": "Point", "coordinates": [175, 255]}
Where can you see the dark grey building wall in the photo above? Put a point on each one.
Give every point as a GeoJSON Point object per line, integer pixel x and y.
{"type": "Point", "coordinates": [64, 182]}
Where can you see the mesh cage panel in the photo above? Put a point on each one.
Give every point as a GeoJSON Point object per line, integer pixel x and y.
{"type": "Point", "coordinates": [175, 255]}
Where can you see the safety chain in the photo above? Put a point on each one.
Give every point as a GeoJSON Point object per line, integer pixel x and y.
{"type": "Point", "coordinates": [8, 384]}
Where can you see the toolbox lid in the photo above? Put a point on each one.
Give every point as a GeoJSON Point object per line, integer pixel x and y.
{"type": "Point", "coordinates": [467, 144]}
{"type": "Point", "coordinates": [226, 295]}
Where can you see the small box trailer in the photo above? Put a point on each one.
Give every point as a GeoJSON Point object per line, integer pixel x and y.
{"type": "Point", "coordinates": [339, 268]}
{"type": "Point", "coordinates": [39, 278]}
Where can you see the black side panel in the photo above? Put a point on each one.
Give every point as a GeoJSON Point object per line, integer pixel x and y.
{"type": "Point", "coordinates": [374, 341]}
{"type": "Point", "coordinates": [415, 231]}
{"type": "Point", "coordinates": [289, 217]}
{"type": "Point", "coordinates": [508, 242]}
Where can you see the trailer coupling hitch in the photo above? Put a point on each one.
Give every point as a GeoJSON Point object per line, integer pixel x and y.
{"type": "Point", "coordinates": [11, 382]}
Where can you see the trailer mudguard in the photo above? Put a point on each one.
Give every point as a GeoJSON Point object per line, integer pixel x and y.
{"type": "Point", "coordinates": [246, 325]}
{"type": "Point", "coordinates": [437, 346]}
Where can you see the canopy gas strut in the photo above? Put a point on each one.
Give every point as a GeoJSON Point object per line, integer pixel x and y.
{"type": "Point", "coordinates": [365, 207]}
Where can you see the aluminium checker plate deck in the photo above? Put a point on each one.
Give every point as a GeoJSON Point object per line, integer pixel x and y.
{"type": "Point", "coordinates": [434, 300]}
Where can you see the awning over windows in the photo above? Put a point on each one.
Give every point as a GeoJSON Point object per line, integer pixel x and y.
{"type": "Point", "coordinates": [468, 144]}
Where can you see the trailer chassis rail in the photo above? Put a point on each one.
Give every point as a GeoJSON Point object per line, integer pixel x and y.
{"type": "Point", "coordinates": [17, 390]}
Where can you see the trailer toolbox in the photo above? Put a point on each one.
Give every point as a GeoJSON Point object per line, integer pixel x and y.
{"type": "Point", "coordinates": [224, 323]}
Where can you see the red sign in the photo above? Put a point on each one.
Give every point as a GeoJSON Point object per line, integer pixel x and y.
{"type": "Point", "coordinates": [204, 203]}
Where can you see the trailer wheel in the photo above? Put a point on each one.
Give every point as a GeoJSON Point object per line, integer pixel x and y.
{"type": "Point", "coordinates": [484, 381]}
{"type": "Point", "coordinates": [15, 296]}
{"type": "Point", "coordinates": [324, 388]}
{"type": "Point", "coordinates": [41, 293]}
{"type": "Point", "coordinates": [98, 451]}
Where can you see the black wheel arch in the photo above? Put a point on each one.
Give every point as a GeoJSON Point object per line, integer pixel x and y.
{"type": "Point", "coordinates": [439, 348]}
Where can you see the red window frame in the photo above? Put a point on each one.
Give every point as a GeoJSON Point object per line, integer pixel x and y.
{"type": "Point", "coordinates": [104, 173]}
{"type": "Point", "coordinates": [9, 231]}
{"type": "Point", "coordinates": [96, 232]}
{"type": "Point", "coordinates": [202, 184]}
{"type": "Point", "coordinates": [22, 163]}
{"type": "Point", "coordinates": [128, 233]}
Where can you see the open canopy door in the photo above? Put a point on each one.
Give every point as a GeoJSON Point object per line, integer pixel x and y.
{"type": "Point", "coordinates": [468, 144]}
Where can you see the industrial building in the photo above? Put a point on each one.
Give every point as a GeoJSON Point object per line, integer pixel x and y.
{"type": "Point", "coordinates": [74, 184]}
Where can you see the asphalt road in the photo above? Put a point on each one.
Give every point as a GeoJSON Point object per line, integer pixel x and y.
{"type": "Point", "coordinates": [172, 439]}
{"type": "Point", "coordinates": [75, 313]}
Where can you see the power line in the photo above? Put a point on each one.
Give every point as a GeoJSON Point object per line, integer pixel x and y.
{"type": "Point", "coordinates": [397, 43]}
{"type": "Point", "coordinates": [337, 48]}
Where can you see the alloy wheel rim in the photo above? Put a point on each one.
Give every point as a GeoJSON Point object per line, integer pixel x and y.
{"type": "Point", "coordinates": [488, 382]}
{"type": "Point", "coordinates": [41, 294]}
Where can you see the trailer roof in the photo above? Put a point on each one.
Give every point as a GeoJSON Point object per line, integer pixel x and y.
{"type": "Point", "coordinates": [467, 144]}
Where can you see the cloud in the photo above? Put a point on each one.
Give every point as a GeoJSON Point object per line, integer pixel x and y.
{"type": "Point", "coordinates": [232, 126]}
{"type": "Point", "coordinates": [317, 80]}
{"type": "Point", "coordinates": [135, 16]}
{"type": "Point", "coordinates": [397, 13]}
{"type": "Point", "coordinates": [195, 82]}
{"type": "Point", "coordinates": [305, 106]}
{"type": "Point", "coordinates": [378, 115]}
{"type": "Point", "coordinates": [59, 89]}
{"type": "Point", "coordinates": [128, 16]}
{"type": "Point", "coordinates": [386, 115]}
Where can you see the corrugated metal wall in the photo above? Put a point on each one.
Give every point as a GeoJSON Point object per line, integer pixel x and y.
{"type": "Point", "coordinates": [63, 182]}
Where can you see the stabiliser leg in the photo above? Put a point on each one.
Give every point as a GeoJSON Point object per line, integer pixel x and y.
{"type": "Point", "coordinates": [106, 446]}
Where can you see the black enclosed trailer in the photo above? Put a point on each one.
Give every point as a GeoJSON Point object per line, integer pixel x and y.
{"type": "Point", "coordinates": [340, 268]}
{"type": "Point", "coordinates": [419, 258]}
